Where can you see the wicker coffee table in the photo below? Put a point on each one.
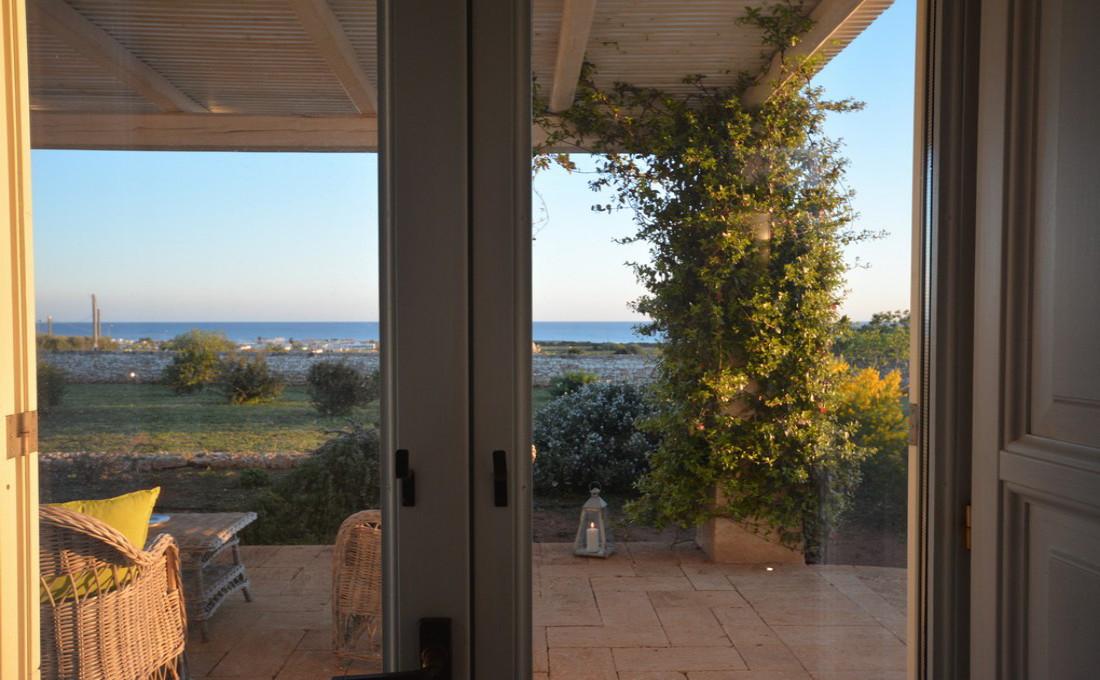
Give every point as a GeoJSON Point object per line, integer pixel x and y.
{"type": "Point", "coordinates": [210, 559]}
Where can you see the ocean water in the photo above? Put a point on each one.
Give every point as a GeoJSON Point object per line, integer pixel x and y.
{"type": "Point", "coordinates": [251, 331]}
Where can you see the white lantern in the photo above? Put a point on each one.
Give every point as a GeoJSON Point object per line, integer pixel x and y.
{"type": "Point", "coordinates": [593, 533]}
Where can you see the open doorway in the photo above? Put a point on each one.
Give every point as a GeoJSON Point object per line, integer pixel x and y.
{"type": "Point", "coordinates": [730, 369]}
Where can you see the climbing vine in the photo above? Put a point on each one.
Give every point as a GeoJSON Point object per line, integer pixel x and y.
{"type": "Point", "coordinates": [745, 214]}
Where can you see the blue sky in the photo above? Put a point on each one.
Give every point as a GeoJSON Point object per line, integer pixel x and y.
{"type": "Point", "coordinates": [293, 237]}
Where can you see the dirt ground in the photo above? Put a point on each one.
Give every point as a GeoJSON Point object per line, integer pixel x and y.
{"type": "Point", "coordinates": [554, 520]}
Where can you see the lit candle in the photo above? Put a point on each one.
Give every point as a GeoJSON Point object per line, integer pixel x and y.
{"type": "Point", "coordinates": [592, 538]}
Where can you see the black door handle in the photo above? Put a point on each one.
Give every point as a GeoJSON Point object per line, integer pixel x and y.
{"type": "Point", "coordinates": [404, 473]}
{"type": "Point", "coordinates": [435, 655]}
{"type": "Point", "coordinates": [500, 479]}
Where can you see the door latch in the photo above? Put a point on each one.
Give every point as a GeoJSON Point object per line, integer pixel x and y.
{"type": "Point", "coordinates": [500, 479]}
{"type": "Point", "coordinates": [406, 476]}
{"type": "Point", "coordinates": [435, 655]}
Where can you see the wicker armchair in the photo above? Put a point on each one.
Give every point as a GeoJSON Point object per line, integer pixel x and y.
{"type": "Point", "coordinates": [357, 587]}
{"type": "Point", "coordinates": [110, 610]}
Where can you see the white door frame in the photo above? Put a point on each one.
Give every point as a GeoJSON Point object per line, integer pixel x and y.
{"type": "Point", "coordinates": [19, 644]}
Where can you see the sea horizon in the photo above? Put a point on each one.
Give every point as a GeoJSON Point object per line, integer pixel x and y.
{"type": "Point", "coordinates": [243, 332]}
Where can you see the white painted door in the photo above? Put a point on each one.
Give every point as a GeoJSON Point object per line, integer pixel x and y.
{"type": "Point", "coordinates": [1036, 496]}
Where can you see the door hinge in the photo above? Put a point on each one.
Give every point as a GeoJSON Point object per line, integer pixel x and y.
{"type": "Point", "coordinates": [22, 434]}
{"type": "Point", "coordinates": [914, 424]}
{"type": "Point", "coordinates": [967, 527]}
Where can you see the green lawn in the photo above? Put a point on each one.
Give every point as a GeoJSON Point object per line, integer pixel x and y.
{"type": "Point", "coordinates": [147, 418]}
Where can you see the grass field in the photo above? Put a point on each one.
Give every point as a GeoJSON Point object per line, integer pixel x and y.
{"type": "Point", "coordinates": [153, 418]}
{"type": "Point", "coordinates": [148, 418]}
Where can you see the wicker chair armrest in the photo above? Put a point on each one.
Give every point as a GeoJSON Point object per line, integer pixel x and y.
{"type": "Point", "coordinates": [90, 526]}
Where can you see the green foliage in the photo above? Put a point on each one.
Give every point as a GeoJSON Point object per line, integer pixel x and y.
{"type": "Point", "coordinates": [73, 343]}
{"type": "Point", "coordinates": [590, 435]}
{"type": "Point", "coordinates": [870, 405]}
{"type": "Point", "coordinates": [882, 343]}
{"type": "Point", "coordinates": [52, 384]}
{"type": "Point", "coordinates": [249, 380]}
{"type": "Point", "coordinates": [571, 380]}
{"type": "Point", "coordinates": [254, 478]}
{"type": "Point", "coordinates": [308, 505]}
{"type": "Point", "coordinates": [197, 362]}
{"type": "Point", "coordinates": [747, 321]}
{"type": "Point", "coordinates": [337, 387]}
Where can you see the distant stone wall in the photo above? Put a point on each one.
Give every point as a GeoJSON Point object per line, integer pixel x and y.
{"type": "Point", "coordinates": [146, 367]}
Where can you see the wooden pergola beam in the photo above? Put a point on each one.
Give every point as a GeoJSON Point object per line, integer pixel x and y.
{"type": "Point", "coordinates": [60, 19]}
{"type": "Point", "coordinates": [830, 19]}
{"type": "Point", "coordinates": [202, 132]}
{"type": "Point", "coordinates": [576, 25]}
{"type": "Point", "coordinates": [327, 34]}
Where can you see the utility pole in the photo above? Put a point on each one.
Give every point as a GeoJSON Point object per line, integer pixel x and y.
{"type": "Point", "coordinates": [49, 326]}
{"type": "Point", "coordinates": [95, 324]}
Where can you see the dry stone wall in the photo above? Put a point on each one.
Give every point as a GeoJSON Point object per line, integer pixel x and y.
{"type": "Point", "coordinates": [146, 367]}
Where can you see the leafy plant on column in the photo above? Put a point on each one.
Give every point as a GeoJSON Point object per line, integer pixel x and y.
{"type": "Point", "coordinates": [746, 375]}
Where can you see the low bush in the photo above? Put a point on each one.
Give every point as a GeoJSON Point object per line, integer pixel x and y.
{"type": "Point", "coordinates": [337, 387]}
{"type": "Point", "coordinates": [52, 383]}
{"type": "Point", "coordinates": [591, 435]}
{"type": "Point", "coordinates": [870, 405]}
{"type": "Point", "coordinates": [570, 381]}
{"type": "Point", "coordinates": [308, 505]}
{"type": "Point", "coordinates": [249, 381]}
{"type": "Point", "coordinates": [197, 362]}
{"type": "Point", "coordinates": [254, 478]}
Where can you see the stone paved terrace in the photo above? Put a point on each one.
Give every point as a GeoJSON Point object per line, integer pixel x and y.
{"type": "Point", "coordinates": [649, 612]}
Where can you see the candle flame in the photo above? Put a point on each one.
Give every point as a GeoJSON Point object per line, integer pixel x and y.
{"type": "Point", "coordinates": [591, 525]}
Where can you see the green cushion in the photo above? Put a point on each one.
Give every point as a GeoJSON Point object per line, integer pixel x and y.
{"type": "Point", "coordinates": [129, 514]}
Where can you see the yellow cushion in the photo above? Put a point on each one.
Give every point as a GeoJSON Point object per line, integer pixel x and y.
{"type": "Point", "coordinates": [129, 514]}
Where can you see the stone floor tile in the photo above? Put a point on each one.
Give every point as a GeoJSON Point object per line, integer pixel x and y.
{"type": "Point", "coordinates": [259, 653]}
{"type": "Point", "coordinates": [311, 665]}
{"type": "Point", "coordinates": [813, 611]}
{"type": "Point", "coordinates": [697, 598]}
{"type": "Point", "coordinates": [294, 555]}
{"type": "Point", "coordinates": [640, 583]}
{"type": "Point", "coordinates": [582, 664]}
{"type": "Point", "coordinates": [201, 661]}
{"type": "Point", "coordinates": [707, 577]}
{"type": "Point", "coordinates": [539, 658]}
{"type": "Point", "coordinates": [257, 555]}
{"type": "Point", "coordinates": [648, 568]}
{"type": "Point", "coordinates": [692, 627]}
{"type": "Point", "coordinates": [681, 659]}
{"type": "Point", "coordinates": [757, 643]}
{"type": "Point", "coordinates": [651, 675]}
{"type": "Point", "coordinates": [844, 648]}
{"type": "Point", "coordinates": [538, 675]}
{"type": "Point", "coordinates": [751, 675]}
{"type": "Point", "coordinates": [317, 640]}
{"type": "Point", "coordinates": [606, 636]}
{"type": "Point", "coordinates": [858, 675]}
{"type": "Point", "coordinates": [627, 609]}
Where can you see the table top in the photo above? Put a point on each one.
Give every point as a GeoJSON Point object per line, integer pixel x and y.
{"type": "Point", "coordinates": [203, 531]}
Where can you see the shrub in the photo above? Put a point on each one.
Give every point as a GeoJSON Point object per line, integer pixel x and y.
{"type": "Point", "coordinates": [196, 363]}
{"type": "Point", "coordinates": [254, 478]}
{"type": "Point", "coordinates": [871, 405]}
{"type": "Point", "coordinates": [570, 381]}
{"type": "Point", "coordinates": [249, 381]}
{"type": "Point", "coordinates": [308, 505]}
{"type": "Point", "coordinates": [590, 435]}
{"type": "Point", "coordinates": [52, 383]}
{"type": "Point", "coordinates": [336, 387]}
